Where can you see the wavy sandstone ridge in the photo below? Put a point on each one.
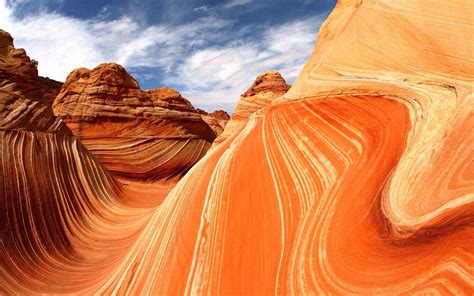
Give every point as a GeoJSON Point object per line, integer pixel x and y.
{"type": "Point", "coordinates": [266, 88]}
{"type": "Point", "coordinates": [358, 180]}
{"type": "Point", "coordinates": [64, 218]}
{"type": "Point", "coordinates": [155, 134]}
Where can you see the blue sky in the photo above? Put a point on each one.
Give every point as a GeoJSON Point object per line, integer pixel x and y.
{"type": "Point", "coordinates": [210, 51]}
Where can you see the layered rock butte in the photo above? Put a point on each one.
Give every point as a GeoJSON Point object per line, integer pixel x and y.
{"type": "Point", "coordinates": [359, 180]}
{"type": "Point", "coordinates": [147, 135]}
{"type": "Point", "coordinates": [217, 120]}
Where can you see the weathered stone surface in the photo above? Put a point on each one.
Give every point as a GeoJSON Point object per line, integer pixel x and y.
{"type": "Point", "coordinates": [25, 97]}
{"type": "Point", "coordinates": [155, 134]}
{"type": "Point", "coordinates": [50, 188]}
{"type": "Point", "coordinates": [217, 120]}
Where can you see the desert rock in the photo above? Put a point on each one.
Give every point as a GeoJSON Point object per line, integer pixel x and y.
{"type": "Point", "coordinates": [358, 180]}
{"type": "Point", "coordinates": [266, 88]}
{"type": "Point", "coordinates": [154, 134]}
{"type": "Point", "coordinates": [25, 97]}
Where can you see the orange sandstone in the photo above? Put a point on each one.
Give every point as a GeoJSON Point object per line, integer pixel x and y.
{"type": "Point", "coordinates": [155, 134]}
{"type": "Point", "coordinates": [266, 88]}
{"type": "Point", "coordinates": [217, 120]}
{"type": "Point", "coordinates": [357, 181]}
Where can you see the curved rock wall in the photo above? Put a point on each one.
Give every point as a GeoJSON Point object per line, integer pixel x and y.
{"type": "Point", "coordinates": [338, 186]}
{"type": "Point", "coordinates": [64, 218]}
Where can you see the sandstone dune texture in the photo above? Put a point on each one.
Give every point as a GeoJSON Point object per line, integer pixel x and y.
{"type": "Point", "coordinates": [358, 180]}
{"type": "Point", "coordinates": [145, 135]}
{"type": "Point", "coordinates": [266, 88]}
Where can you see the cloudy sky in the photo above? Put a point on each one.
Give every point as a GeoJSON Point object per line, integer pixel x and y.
{"type": "Point", "coordinates": [208, 50]}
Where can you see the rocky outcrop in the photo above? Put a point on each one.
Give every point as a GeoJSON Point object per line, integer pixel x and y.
{"type": "Point", "coordinates": [217, 120]}
{"type": "Point", "coordinates": [357, 181]}
{"type": "Point", "coordinates": [266, 88]}
{"type": "Point", "coordinates": [25, 97]}
{"type": "Point", "coordinates": [154, 134]}
{"type": "Point", "coordinates": [51, 188]}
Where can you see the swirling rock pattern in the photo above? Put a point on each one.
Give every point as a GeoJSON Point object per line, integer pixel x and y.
{"type": "Point", "coordinates": [266, 88]}
{"type": "Point", "coordinates": [357, 181]}
{"type": "Point", "coordinates": [60, 209]}
{"type": "Point", "coordinates": [145, 135]}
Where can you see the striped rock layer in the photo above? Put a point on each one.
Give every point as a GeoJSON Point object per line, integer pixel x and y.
{"type": "Point", "coordinates": [25, 97]}
{"type": "Point", "coordinates": [359, 180]}
{"type": "Point", "coordinates": [155, 134]}
{"type": "Point", "coordinates": [58, 206]}
{"type": "Point", "coordinates": [66, 221]}
{"type": "Point", "coordinates": [266, 88]}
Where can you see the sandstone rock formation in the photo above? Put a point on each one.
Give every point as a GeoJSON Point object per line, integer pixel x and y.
{"type": "Point", "coordinates": [51, 188]}
{"type": "Point", "coordinates": [25, 97]}
{"type": "Point", "coordinates": [217, 120]}
{"type": "Point", "coordinates": [154, 134]}
{"type": "Point", "coordinates": [357, 181]}
{"type": "Point", "coordinates": [266, 88]}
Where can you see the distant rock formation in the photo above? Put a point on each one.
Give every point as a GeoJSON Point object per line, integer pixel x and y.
{"type": "Point", "coordinates": [155, 134]}
{"type": "Point", "coordinates": [217, 120]}
{"type": "Point", "coordinates": [266, 88]}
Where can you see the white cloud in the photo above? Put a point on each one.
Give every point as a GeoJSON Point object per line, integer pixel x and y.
{"type": "Point", "coordinates": [209, 75]}
{"type": "Point", "coordinates": [222, 74]}
{"type": "Point", "coordinates": [234, 3]}
{"type": "Point", "coordinates": [62, 43]}
{"type": "Point", "coordinates": [201, 8]}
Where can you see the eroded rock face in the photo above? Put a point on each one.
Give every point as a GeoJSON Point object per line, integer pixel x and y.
{"type": "Point", "coordinates": [25, 97]}
{"type": "Point", "coordinates": [266, 88]}
{"type": "Point", "coordinates": [357, 181]}
{"type": "Point", "coordinates": [154, 134]}
{"type": "Point", "coordinates": [217, 120]}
